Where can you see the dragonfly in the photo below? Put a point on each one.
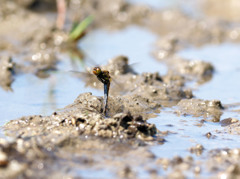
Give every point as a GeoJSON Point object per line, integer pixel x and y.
{"type": "Point", "coordinates": [104, 77]}
{"type": "Point", "coordinates": [118, 65]}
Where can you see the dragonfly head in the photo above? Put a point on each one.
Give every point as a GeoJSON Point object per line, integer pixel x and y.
{"type": "Point", "coordinates": [97, 70]}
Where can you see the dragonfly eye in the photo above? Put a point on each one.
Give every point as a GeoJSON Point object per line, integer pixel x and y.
{"type": "Point", "coordinates": [97, 71]}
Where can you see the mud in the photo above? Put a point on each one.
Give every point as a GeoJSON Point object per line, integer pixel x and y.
{"type": "Point", "coordinates": [192, 70]}
{"type": "Point", "coordinates": [79, 140]}
{"type": "Point", "coordinates": [85, 116]}
{"type": "Point", "coordinates": [6, 72]}
{"type": "Point", "coordinates": [209, 110]}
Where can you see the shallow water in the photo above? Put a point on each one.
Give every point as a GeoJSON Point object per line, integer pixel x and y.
{"type": "Point", "coordinates": [188, 134]}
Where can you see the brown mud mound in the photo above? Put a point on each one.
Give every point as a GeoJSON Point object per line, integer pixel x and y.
{"type": "Point", "coordinates": [85, 117]}
{"type": "Point", "coordinates": [232, 125]}
{"type": "Point", "coordinates": [209, 110]}
{"type": "Point", "coordinates": [193, 69]}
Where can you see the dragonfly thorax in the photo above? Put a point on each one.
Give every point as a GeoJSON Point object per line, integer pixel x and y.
{"type": "Point", "coordinates": [102, 75]}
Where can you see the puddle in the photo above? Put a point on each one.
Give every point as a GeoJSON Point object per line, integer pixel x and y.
{"type": "Point", "coordinates": [225, 59]}
{"type": "Point", "coordinates": [187, 134]}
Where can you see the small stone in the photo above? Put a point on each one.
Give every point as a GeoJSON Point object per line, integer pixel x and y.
{"type": "Point", "coordinates": [198, 149]}
{"type": "Point", "coordinates": [208, 135]}
{"type": "Point", "coordinates": [228, 121]}
{"type": "Point", "coordinates": [165, 163]}
{"type": "Point", "coordinates": [3, 159]}
{"type": "Point", "coordinates": [197, 170]}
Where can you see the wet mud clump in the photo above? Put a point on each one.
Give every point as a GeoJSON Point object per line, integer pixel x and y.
{"type": "Point", "coordinates": [85, 116]}
{"type": "Point", "coordinates": [218, 163]}
{"type": "Point", "coordinates": [231, 125]}
{"type": "Point", "coordinates": [6, 72]}
{"type": "Point", "coordinates": [228, 121]}
{"type": "Point", "coordinates": [190, 69]}
{"type": "Point", "coordinates": [209, 110]}
{"type": "Point", "coordinates": [226, 162]}
{"type": "Point", "coordinates": [86, 113]}
{"type": "Point", "coordinates": [198, 149]}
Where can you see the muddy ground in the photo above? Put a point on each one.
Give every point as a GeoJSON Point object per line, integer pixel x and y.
{"type": "Point", "coordinates": [79, 138]}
